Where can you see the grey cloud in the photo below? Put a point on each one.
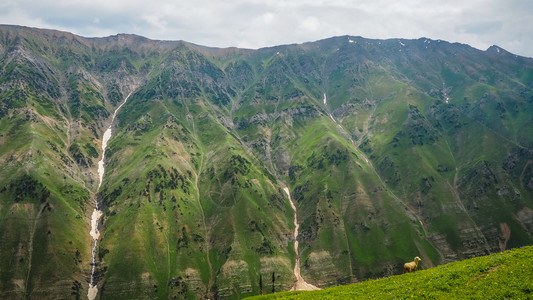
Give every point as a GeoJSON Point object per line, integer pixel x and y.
{"type": "Point", "coordinates": [257, 23]}
{"type": "Point", "coordinates": [481, 27]}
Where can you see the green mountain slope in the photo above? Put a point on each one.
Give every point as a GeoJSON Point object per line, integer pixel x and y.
{"type": "Point", "coordinates": [498, 276]}
{"type": "Point", "coordinates": [390, 149]}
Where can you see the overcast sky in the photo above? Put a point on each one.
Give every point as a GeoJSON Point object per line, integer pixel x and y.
{"type": "Point", "coordinates": [261, 23]}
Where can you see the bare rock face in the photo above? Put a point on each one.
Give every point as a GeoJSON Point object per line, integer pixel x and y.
{"type": "Point", "coordinates": [234, 277]}
{"type": "Point", "coordinates": [276, 274]}
{"type": "Point", "coordinates": [505, 235]}
{"type": "Point", "coordinates": [320, 268]}
{"type": "Point", "coordinates": [439, 240]}
{"type": "Point", "coordinates": [284, 162]}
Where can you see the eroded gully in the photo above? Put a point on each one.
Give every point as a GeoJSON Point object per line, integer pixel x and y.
{"type": "Point", "coordinates": [97, 212]}
{"type": "Point", "coordinates": [300, 284]}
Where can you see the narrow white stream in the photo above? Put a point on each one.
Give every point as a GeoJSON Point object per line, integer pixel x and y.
{"type": "Point", "coordinates": [300, 284]}
{"type": "Point", "coordinates": [329, 114]}
{"type": "Point", "coordinates": [97, 213]}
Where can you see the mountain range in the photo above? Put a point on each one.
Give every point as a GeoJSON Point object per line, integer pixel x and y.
{"type": "Point", "coordinates": [390, 149]}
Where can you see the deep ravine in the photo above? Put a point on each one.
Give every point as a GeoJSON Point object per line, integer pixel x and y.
{"type": "Point", "coordinates": [300, 284]}
{"type": "Point", "coordinates": [97, 212]}
{"type": "Point", "coordinates": [371, 166]}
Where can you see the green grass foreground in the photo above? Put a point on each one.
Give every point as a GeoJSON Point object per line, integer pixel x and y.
{"type": "Point", "coordinates": [506, 275]}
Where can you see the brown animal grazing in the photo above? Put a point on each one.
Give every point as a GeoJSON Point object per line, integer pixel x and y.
{"type": "Point", "coordinates": [411, 266]}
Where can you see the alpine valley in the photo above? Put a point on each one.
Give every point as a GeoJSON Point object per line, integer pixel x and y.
{"type": "Point", "coordinates": [388, 149]}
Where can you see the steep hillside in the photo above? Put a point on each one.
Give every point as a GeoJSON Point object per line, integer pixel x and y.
{"type": "Point", "coordinates": [506, 275]}
{"type": "Point", "coordinates": [389, 148]}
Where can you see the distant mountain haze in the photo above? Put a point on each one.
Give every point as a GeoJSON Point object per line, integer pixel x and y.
{"type": "Point", "coordinates": [388, 149]}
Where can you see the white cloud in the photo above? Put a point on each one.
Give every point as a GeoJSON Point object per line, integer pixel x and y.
{"type": "Point", "coordinates": [310, 23]}
{"type": "Point", "coordinates": [264, 19]}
